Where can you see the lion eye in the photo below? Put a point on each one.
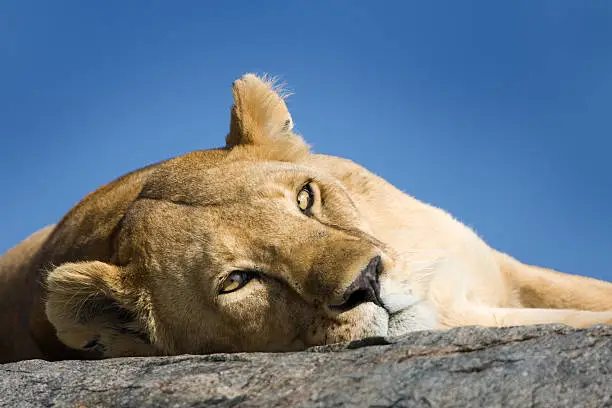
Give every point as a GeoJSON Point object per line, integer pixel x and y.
{"type": "Point", "coordinates": [305, 198]}
{"type": "Point", "coordinates": [236, 280]}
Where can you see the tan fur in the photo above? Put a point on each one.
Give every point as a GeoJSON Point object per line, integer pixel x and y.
{"type": "Point", "coordinates": [135, 268]}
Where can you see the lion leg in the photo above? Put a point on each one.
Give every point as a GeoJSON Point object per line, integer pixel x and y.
{"type": "Point", "coordinates": [498, 317]}
{"type": "Point", "coordinates": [524, 295]}
{"type": "Point", "coordinates": [547, 289]}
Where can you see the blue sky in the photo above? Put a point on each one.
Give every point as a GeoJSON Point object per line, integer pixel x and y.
{"type": "Point", "coordinates": [498, 112]}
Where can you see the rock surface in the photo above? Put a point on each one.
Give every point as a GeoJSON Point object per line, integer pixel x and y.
{"type": "Point", "coordinates": [547, 366]}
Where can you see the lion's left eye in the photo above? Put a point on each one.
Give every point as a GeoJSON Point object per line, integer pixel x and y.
{"type": "Point", "coordinates": [235, 280]}
{"type": "Point", "coordinates": [305, 198]}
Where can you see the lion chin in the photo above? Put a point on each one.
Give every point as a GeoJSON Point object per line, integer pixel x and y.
{"type": "Point", "coordinates": [262, 245]}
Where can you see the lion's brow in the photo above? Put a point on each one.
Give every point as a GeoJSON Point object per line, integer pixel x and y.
{"type": "Point", "coordinates": [190, 203]}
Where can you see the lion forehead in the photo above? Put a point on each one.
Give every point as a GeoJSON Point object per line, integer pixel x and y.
{"type": "Point", "coordinates": [223, 183]}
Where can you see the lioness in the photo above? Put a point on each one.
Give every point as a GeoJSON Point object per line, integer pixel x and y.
{"type": "Point", "coordinates": [262, 246]}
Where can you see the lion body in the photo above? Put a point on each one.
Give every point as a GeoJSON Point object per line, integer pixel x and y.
{"type": "Point", "coordinates": [135, 268]}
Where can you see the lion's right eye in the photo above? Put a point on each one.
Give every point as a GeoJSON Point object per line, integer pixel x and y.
{"type": "Point", "coordinates": [305, 198]}
{"type": "Point", "coordinates": [235, 280]}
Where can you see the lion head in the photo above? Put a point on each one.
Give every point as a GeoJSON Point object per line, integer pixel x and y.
{"type": "Point", "coordinates": [252, 247]}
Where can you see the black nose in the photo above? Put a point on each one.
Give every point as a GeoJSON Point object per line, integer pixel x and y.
{"type": "Point", "coordinates": [366, 288]}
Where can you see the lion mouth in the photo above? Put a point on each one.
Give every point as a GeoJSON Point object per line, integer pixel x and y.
{"type": "Point", "coordinates": [395, 303]}
{"type": "Point", "coordinates": [406, 311]}
{"type": "Point", "coordinates": [410, 315]}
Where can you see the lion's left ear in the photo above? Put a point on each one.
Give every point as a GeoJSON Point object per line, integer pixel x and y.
{"type": "Point", "coordinates": [260, 115]}
{"type": "Point", "coordinates": [92, 310]}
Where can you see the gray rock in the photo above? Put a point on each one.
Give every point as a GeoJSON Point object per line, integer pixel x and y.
{"type": "Point", "coordinates": [546, 366]}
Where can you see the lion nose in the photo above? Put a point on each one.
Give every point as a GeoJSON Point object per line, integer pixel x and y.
{"type": "Point", "coordinates": [366, 288]}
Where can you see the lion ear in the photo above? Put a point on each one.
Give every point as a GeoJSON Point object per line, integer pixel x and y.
{"type": "Point", "coordinates": [91, 310]}
{"type": "Point", "coordinates": [260, 115]}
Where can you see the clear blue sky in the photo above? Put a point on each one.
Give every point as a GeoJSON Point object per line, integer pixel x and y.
{"type": "Point", "coordinates": [499, 112]}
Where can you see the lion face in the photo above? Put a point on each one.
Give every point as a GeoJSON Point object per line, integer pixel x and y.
{"type": "Point", "coordinates": [262, 256]}
{"type": "Point", "coordinates": [258, 252]}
